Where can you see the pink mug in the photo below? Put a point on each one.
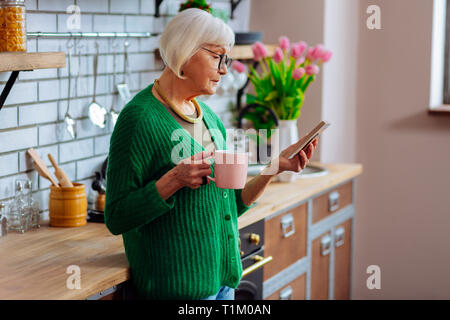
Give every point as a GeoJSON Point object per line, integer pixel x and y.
{"type": "Point", "coordinates": [230, 169]}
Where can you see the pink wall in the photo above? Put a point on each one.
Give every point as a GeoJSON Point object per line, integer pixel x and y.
{"type": "Point", "coordinates": [403, 197]}
{"type": "Point", "coordinates": [402, 202]}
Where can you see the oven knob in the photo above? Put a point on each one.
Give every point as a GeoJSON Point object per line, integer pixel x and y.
{"type": "Point", "coordinates": [255, 238]}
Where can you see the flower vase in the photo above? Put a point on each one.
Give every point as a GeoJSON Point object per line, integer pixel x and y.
{"type": "Point", "coordinates": [288, 134]}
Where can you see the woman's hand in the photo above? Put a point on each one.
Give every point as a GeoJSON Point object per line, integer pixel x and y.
{"type": "Point", "coordinates": [189, 171]}
{"type": "Point", "coordinates": [299, 161]}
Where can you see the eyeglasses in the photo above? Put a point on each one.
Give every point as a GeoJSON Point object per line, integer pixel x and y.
{"type": "Point", "coordinates": [227, 61]}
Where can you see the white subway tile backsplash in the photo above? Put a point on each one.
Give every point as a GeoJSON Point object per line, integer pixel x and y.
{"type": "Point", "coordinates": [102, 144]}
{"type": "Point", "coordinates": [43, 197]}
{"type": "Point", "coordinates": [9, 164]}
{"type": "Point", "coordinates": [120, 6]}
{"type": "Point", "coordinates": [103, 23]}
{"type": "Point", "coordinates": [142, 62]}
{"type": "Point", "coordinates": [86, 168]}
{"type": "Point", "coordinates": [31, 5]}
{"type": "Point", "coordinates": [92, 6]}
{"type": "Point", "coordinates": [38, 113]}
{"type": "Point", "coordinates": [9, 118]}
{"type": "Point", "coordinates": [38, 74]}
{"type": "Point", "coordinates": [55, 5]}
{"type": "Point", "coordinates": [41, 22]}
{"type": "Point", "coordinates": [22, 92]}
{"type": "Point", "coordinates": [53, 133]}
{"type": "Point", "coordinates": [46, 45]}
{"type": "Point", "coordinates": [139, 24]}
{"type": "Point", "coordinates": [18, 139]}
{"type": "Point", "coordinates": [149, 44]}
{"type": "Point", "coordinates": [148, 7]}
{"type": "Point", "coordinates": [87, 129]}
{"type": "Point", "coordinates": [51, 90]}
{"type": "Point", "coordinates": [75, 150]}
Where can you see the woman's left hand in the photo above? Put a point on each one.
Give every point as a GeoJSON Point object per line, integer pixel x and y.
{"type": "Point", "coordinates": [299, 161]}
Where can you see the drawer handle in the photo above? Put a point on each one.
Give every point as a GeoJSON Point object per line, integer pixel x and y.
{"type": "Point", "coordinates": [325, 245]}
{"type": "Point", "coordinates": [339, 237]}
{"type": "Point", "coordinates": [287, 222]}
{"type": "Point", "coordinates": [260, 261]}
{"type": "Point", "coordinates": [286, 294]}
{"type": "Point", "coordinates": [333, 201]}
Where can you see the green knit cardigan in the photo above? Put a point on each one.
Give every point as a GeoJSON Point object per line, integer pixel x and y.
{"type": "Point", "coordinates": [184, 247]}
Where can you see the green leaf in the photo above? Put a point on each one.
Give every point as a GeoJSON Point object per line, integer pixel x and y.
{"type": "Point", "coordinates": [272, 95]}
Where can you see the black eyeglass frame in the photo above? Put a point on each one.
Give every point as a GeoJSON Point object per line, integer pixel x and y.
{"type": "Point", "coordinates": [228, 60]}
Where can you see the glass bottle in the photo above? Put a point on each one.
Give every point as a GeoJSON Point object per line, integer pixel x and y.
{"type": "Point", "coordinates": [32, 206]}
{"type": "Point", "coordinates": [13, 35]}
{"type": "Point", "coordinates": [3, 220]}
{"type": "Point", "coordinates": [19, 216]}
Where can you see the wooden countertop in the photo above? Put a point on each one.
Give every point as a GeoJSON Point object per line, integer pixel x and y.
{"type": "Point", "coordinates": [33, 265]}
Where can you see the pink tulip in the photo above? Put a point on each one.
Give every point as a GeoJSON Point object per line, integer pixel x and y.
{"type": "Point", "coordinates": [284, 43]}
{"type": "Point", "coordinates": [259, 51]}
{"type": "Point", "coordinates": [238, 66]}
{"type": "Point", "coordinates": [301, 60]}
{"type": "Point", "coordinates": [278, 56]}
{"type": "Point", "coordinates": [318, 52]}
{"type": "Point", "coordinates": [326, 56]}
{"type": "Point", "coordinates": [256, 55]}
{"type": "Point", "coordinates": [298, 49]}
{"type": "Point", "coordinates": [298, 73]}
{"type": "Point", "coordinates": [312, 69]}
{"type": "Point", "coordinates": [309, 54]}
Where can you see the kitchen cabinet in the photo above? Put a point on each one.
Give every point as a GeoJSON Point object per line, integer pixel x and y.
{"type": "Point", "coordinates": [325, 221]}
{"type": "Point", "coordinates": [294, 290]}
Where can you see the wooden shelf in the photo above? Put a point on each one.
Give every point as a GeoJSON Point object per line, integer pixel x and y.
{"type": "Point", "coordinates": [244, 52]}
{"type": "Point", "coordinates": [25, 61]}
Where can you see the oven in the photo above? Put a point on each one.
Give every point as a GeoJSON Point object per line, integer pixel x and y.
{"type": "Point", "coordinates": [251, 247]}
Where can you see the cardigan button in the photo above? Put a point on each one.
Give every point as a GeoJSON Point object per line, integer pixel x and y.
{"type": "Point", "coordinates": [227, 217]}
{"type": "Point", "coordinates": [225, 194]}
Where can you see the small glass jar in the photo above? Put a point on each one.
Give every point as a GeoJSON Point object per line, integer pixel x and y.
{"type": "Point", "coordinates": [19, 217]}
{"type": "Point", "coordinates": [13, 31]}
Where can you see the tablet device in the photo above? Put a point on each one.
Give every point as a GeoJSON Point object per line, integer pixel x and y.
{"type": "Point", "coordinates": [303, 142]}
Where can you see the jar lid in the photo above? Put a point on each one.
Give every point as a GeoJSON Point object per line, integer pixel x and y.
{"type": "Point", "coordinates": [13, 2]}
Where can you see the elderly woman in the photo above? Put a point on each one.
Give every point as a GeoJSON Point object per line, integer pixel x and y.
{"type": "Point", "coordinates": [180, 230]}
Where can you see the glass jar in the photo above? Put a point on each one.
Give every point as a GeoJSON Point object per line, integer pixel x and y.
{"type": "Point", "coordinates": [32, 206]}
{"type": "Point", "coordinates": [19, 217]}
{"type": "Point", "coordinates": [13, 31]}
{"type": "Point", "coordinates": [3, 220]}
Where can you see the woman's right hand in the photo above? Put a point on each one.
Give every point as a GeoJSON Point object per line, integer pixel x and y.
{"type": "Point", "coordinates": [189, 171]}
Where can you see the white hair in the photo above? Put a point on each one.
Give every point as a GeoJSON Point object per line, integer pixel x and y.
{"type": "Point", "coordinates": [187, 32]}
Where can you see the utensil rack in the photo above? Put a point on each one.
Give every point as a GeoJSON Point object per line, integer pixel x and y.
{"type": "Point", "coordinates": [35, 60]}
{"type": "Point", "coordinates": [60, 35]}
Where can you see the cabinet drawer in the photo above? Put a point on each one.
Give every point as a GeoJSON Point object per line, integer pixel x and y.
{"type": "Point", "coordinates": [294, 290]}
{"type": "Point", "coordinates": [285, 239]}
{"type": "Point", "coordinates": [320, 266]}
{"type": "Point", "coordinates": [332, 201]}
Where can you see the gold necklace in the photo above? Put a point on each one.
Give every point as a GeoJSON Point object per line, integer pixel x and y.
{"type": "Point", "coordinates": [176, 109]}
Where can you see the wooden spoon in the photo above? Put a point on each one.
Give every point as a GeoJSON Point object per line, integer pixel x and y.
{"type": "Point", "coordinates": [60, 174]}
{"type": "Point", "coordinates": [40, 166]}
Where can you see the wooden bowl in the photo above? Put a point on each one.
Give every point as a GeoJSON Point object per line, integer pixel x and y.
{"type": "Point", "coordinates": [68, 206]}
{"type": "Point", "coordinates": [100, 203]}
